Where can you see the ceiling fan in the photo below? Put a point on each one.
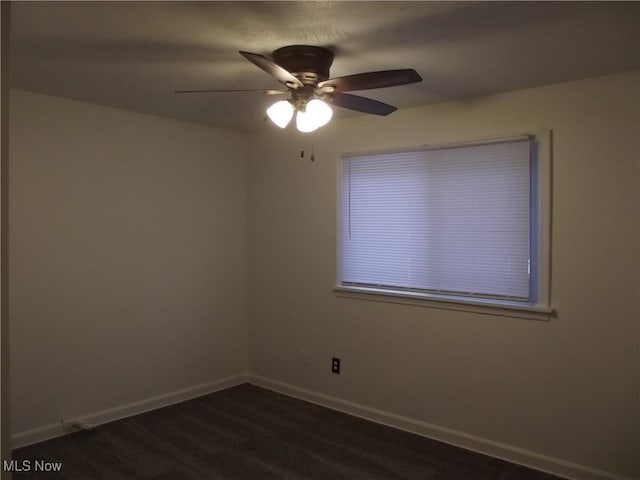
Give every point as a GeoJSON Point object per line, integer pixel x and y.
{"type": "Point", "coordinates": [304, 70]}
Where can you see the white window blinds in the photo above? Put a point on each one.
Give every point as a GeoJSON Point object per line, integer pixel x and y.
{"type": "Point", "coordinates": [452, 221]}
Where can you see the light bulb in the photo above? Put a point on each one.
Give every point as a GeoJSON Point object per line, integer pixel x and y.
{"type": "Point", "coordinates": [281, 113]}
{"type": "Point", "coordinates": [305, 122]}
{"type": "Point", "coordinates": [321, 112]}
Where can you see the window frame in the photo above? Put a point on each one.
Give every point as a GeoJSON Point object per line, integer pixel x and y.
{"type": "Point", "coordinates": [541, 241]}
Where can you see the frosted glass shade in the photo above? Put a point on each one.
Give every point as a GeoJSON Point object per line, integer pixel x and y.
{"type": "Point", "coordinates": [320, 111]}
{"type": "Point", "coordinates": [305, 122]}
{"type": "Point", "coordinates": [281, 113]}
{"type": "Point", "coordinates": [316, 114]}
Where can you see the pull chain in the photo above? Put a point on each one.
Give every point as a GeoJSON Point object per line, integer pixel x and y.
{"type": "Point", "coordinates": [313, 155]}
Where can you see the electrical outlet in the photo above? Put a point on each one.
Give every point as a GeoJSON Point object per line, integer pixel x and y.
{"type": "Point", "coordinates": [335, 365]}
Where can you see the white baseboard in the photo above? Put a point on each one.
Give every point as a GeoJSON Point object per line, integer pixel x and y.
{"type": "Point", "coordinates": [47, 432]}
{"type": "Point", "coordinates": [510, 453]}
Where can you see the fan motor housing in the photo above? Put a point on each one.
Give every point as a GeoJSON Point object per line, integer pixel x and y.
{"type": "Point", "coordinates": [308, 63]}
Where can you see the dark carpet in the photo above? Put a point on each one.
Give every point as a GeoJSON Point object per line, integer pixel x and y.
{"type": "Point", "coordinates": [249, 433]}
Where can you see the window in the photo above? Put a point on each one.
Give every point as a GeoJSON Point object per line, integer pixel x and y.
{"type": "Point", "coordinates": [453, 223]}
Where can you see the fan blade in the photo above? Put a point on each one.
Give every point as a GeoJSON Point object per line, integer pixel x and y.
{"type": "Point", "coordinates": [366, 81]}
{"type": "Point", "coordinates": [362, 104]}
{"type": "Point", "coordinates": [267, 91]}
{"type": "Point", "coordinates": [273, 69]}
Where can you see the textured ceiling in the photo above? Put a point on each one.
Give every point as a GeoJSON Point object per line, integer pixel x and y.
{"type": "Point", "coordinates": [133, 55]}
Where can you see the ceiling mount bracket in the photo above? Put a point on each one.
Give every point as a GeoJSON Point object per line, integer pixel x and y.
{"type": "Point", "coordinates": [308, 63]}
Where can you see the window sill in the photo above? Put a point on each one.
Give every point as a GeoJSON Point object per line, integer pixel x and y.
{"type": "Point", "coordinates": [486, 307]}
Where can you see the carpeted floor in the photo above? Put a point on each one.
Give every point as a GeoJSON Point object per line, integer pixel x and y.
{"type": "Point", "coordinates": [249, 433]}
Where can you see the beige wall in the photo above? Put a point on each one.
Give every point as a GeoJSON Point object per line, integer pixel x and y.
{"type": "Point", "coordinates": [129, 269]}
{"type": "Point", "coordinates": [128, 257]}
{"type": "Point", "coordinates": [567, 388]}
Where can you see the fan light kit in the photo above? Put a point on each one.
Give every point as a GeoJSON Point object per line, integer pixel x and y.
{"type": "Point", "coordinates": [304, 70]}
{"type": "Point", "coordinates": [309, 117]}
